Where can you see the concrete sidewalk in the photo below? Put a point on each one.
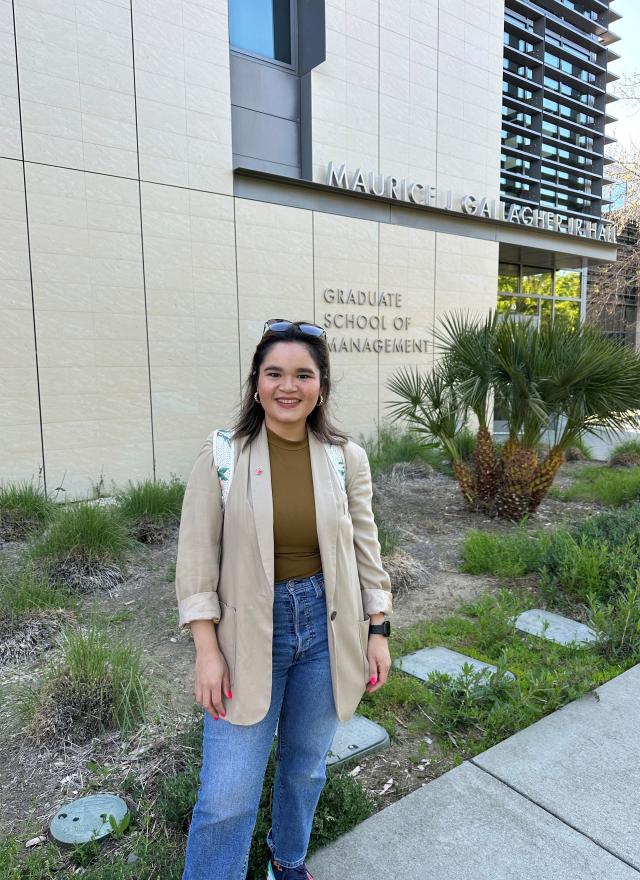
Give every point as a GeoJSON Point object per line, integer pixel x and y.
{"type": "Point", "coordinates": [558, 800]}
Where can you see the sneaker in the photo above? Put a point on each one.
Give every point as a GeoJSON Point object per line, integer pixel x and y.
{"type": "Point", "coordinates": [299, 873]}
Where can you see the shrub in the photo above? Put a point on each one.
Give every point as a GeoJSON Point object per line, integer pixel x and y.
{"type": "Point", "coordinates": [616, 624]}
{"type": "Point", "coordinates": [615, 527]}
{"type": "Point", "coordinates": [84, 546]}
{"type": "Point", "coordinates": [509, 555]}
{"type": "Point", "coordinates": [30, 613]}
{"type": "Point", "coordinates": [23, 508]}
{"type": "Point", "coordinates": [465, 444]}
{"type": "Point", "coordinates": [586, 566]}
{"type": "Point", "coordinates": [93, 686]}
{"type": "Point", "coordinates": [495, 619]}
{"type": "Point", "coordinates": [610, 487]}
{"type": "Point", "coordinates": [388, 535]}
{"type": "Point", "coordinates": [39, 863]}
{"type": "Point", "coordinates": [579, 451]}
{"type": "Point", "coordinates": [625, 454]}
{"type": "Point", "coordinates": [151, 508]}
{"type": "Point", "coordinates": [393, 445]}
{"type": "Point", "coordinates": [25, 590]}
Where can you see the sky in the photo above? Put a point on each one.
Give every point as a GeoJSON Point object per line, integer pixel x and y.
{"type": "Point", "coordinates": [627, 129]}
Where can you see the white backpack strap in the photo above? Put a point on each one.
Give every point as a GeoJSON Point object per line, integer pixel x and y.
{"type": "Point", "coordinates": [223, 459]}
{"type": "Point", "coordinates": [336, 457]}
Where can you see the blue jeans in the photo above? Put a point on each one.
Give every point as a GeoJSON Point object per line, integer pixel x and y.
{"type": "Point", "coordinates": [235, 756]}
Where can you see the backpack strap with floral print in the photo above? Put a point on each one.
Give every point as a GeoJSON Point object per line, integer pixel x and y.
{"type": "Point", "coordinates": [224, 459]}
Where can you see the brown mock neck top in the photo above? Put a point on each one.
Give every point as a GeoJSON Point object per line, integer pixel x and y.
{"type": "Point", "coordinates": [295, 535]}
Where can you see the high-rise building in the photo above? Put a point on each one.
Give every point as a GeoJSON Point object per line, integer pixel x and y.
{"type": "Point", "coordinates": [554, 112]}
{"type": "Point", "coordinates": [174, 172]}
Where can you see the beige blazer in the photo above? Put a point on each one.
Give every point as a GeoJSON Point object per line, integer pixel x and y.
{"type": "Point", "coordinates": [227, 574]}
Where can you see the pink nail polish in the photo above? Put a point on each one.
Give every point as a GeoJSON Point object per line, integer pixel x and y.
{"type": "Point", "coordinates": [373, 679]}
{"type": "Point", "coordinates": [215, 717]}
{"type": "Point", "coordinates": [229, 694]}
{"type": "Point", "coordinates": [223, 714]}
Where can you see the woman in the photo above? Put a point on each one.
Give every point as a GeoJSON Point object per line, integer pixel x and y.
{"type": "Point", "coordinates": [286, 605]}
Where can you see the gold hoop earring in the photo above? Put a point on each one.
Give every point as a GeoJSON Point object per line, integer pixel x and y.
{"type": "Point", "coordinates": [256, 398]}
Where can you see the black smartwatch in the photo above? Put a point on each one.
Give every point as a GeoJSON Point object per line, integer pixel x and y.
{"type": "Point", "coordinates": [380, 629]}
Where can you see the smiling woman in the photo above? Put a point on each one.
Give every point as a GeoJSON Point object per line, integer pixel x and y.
{"type": "Point", "coordinates": [285, 595]}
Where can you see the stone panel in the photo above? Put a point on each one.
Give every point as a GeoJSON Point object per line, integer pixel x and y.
{"type": "Point", "coordinates": [10, 146]}
{"type": "Point", "coordinates": [20, 447]}
{"type": "Point", "coordinates": [75, 65]}
{"type": "Point", "coordinates": [182, 88]}
{"type": "Point", "coordinates": [89, 300]}
{"type": "Point", "coordinates": [189, 259]}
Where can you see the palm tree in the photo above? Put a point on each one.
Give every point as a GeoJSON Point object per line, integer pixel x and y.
{"type": "Point", "coordinates": [560, 379]}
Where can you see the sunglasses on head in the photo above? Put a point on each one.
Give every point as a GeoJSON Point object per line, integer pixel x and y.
{"type": "Point", "coordinates": [279, 325]}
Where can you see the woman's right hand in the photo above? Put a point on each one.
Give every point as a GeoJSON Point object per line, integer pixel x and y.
{"type": "Point", "coordinates": [212, 681]}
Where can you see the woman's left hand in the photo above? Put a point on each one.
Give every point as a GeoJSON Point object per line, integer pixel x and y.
{"type": "Point", "coordinates": [379, 662]}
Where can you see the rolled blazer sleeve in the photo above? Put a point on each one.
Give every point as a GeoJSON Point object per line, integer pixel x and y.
{"type": "Point", "coordinates": [199, 543]}
{"type": "Point", "coordinates": [374, 580]}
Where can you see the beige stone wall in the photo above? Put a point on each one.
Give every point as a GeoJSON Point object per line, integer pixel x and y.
{"type": "Point", "coordinates": [20, 446]}
{"type": "Point", "coordinates": [134, 286]}
{"type": "Point", "coordinates": [412, 89]}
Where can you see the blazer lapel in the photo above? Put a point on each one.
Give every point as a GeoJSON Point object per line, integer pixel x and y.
{"type": "Point", "coordinates": [261, 498]}
{"type": "Point", "coordinates": [327, 511]}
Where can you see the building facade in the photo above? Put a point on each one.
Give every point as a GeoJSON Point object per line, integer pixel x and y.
{"type": "Point", "coordinates": [173, 173]}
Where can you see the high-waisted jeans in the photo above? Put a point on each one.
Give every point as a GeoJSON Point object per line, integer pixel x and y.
{"type": "Point", "coordinates": [235, 756]}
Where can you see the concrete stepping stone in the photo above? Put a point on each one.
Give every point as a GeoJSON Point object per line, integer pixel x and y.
{"type": "Point", "coordinates": [559, 629]}
{"type": "Point", "coordinates": [439, 659]}
{"type": "Point", "coordinates": [358, 737]}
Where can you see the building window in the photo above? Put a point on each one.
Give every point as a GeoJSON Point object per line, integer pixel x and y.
{"type": "Point", "coordinates": [262, 27]}
{"type": "Point", "coordinates": [515, 164]}
{"type": "Point", "coordinates": [515, 188]}
{"type": "Point", "coordinates": [518, 141]}
{"type": "Point", "coordinates": [517, 117]}
{"type": "Point", "coordinates": [557, 154]}
{"type": "Point", "coordinates": [543, 295]}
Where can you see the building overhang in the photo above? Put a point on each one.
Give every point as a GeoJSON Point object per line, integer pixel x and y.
{"type": "Point", "coordinates": [568, 249]}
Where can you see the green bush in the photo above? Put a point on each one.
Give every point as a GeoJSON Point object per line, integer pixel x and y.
{"type": "Point", "coordinates": [388, 535]}
{"type": "Point", "coordinates": [40, 863]}
{"type": "Point", "coordinates": [616, 624]}
{"type": "Point", "coordinates": [394, 445]}
{"type": "Point", "coordinates": [160, 858]}
{"type": "Point", "coordinates": [26, 590]}
{"type": "Point", "coordinates": [151, 508]}
{"type": "Point", "coordinates": [509, 555]}
{"type": "Point", "coordinates": [86, 534]}
{"type": "Point", "coordinates": [23, 508]}
{"type": "Point", "coordinates": [476, 698]}
{"type": "Point", "coordinates": [585, 566]}
{"type": "Point", "coordinates": [93, 686]}
{"type": "Point", "coordinates": [610, 487]}
{"type": "Point", "coordinates": [625, 454]}
{"type": "Point", "coordinates": [465, 444]}
{"type": "Point", "coordinates": [495, 619]}
{"type": "Point", "coordinates": [615, 528]}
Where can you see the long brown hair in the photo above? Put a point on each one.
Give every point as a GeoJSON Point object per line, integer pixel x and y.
{"type": "Point", "coordinates": [251, 414]}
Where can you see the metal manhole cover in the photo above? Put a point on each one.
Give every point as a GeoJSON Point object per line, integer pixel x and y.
{"type": "Point", "coordinates": [88, 817]}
